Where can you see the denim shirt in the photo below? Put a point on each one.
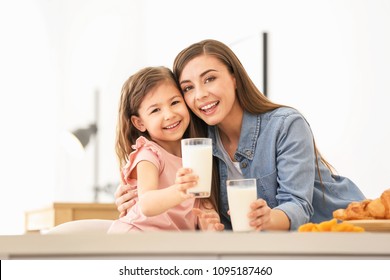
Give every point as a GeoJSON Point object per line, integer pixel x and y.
{"type": "Point", "coordinates": [277, 149]}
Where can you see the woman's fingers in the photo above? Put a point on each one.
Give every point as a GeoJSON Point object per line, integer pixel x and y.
{"type": "Point", "coordinates": [125, 197]}
{"type": "Point", "coordinates": [126, 201]}
{"type": "Point", "coordinates": [126, 205]}
{"type": "Point", "coordinates": [260, 214]}
{"type": "Point", "coordinates": [122, 189]}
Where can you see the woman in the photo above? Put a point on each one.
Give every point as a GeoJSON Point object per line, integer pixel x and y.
{"type": "Point", "coordinates": [255, 138]}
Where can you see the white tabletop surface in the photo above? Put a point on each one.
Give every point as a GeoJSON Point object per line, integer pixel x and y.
{"type": "Point", "coordinates": [198, 245]}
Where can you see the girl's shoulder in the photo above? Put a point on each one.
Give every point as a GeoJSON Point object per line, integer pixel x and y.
{"type": "Point", "coordinates": [143, 149]}
{"type": "Point", "coordinates": [144, 144]}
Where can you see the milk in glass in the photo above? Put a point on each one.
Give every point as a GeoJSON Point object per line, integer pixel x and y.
{"type": "Point", "coordinates": [241, 193]}
{"type": "Point", "coordinates": [197, 155]}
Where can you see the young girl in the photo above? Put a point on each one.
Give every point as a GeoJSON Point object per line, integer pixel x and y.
{"type": "Point", "coordinates": [153, 118]}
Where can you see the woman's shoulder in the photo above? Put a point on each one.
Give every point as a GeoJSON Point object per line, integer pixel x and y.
{"type": "Point", "coordinates": [282, 112]}
{"type": "Point", "coordinates": [285, 117]}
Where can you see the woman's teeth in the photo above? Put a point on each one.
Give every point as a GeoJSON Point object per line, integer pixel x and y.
{"type": "Point", "coordinates": [209, 106]}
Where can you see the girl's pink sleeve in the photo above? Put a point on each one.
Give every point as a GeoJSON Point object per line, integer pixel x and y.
{"type": "Point", "coordinates": [143, 150]}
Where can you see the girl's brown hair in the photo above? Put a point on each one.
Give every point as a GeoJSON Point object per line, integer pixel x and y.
{"type": "Point", "coordinates": [133, 92]}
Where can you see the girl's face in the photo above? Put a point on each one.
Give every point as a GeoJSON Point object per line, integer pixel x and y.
{"type": "Point", "coordinates": [209, 89]}
{"type": "Point", "coordinates": [163, 113]}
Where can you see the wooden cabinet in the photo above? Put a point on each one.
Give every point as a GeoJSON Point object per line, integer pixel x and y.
{"type": "Point", "coordinates": [58, 213]}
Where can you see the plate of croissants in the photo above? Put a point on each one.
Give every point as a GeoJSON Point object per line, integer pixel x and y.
{"type": "Point", "coordinates": [370, 214]}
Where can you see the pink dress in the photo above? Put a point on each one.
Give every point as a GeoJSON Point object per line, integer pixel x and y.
{"type": "Point", "coordinates": [177, 218]}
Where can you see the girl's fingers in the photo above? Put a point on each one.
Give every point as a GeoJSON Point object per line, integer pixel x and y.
{"type": "Point", "coordinates": [206, 215]}
{"type": "Point", "coordinates": [186, 186]}
{"type": "Point", "coordinates": [187, 179]}
{"type": "Point", "coordinates": [197, 211]}
{"type": "Point", "coordinates": [188, 195]}
{"type": "Point", "coordinates": [183, 171]}
{"type": "Point", "coordinates": [219, 227]}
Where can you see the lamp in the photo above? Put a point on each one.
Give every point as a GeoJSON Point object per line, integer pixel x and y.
{"type": "Point", "coordinates": [79, 139]}
{"type": "Point", "coordinates": [85, 134]}
{"type": "Point", "coordinates": [83, 137]}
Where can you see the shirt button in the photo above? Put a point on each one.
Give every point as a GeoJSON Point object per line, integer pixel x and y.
{"type": "Point", "coordinates": [244, 164]}
{"type": "Point", "coordinates": [248, 153]}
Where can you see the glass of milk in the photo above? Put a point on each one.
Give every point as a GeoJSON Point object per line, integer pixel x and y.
{"type": "Point", "coordinates": [197, 154]}
{"type": "Point", "coordinates": [241, 193]}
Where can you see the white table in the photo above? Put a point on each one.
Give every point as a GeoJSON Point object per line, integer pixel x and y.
{"type": "Point", "coordinates": [198, 245]}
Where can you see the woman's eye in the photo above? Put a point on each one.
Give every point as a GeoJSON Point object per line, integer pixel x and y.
{"type": "Point", "coordinates": [209, 79]}
{"type": "Point", "coordinates": [186, 89]}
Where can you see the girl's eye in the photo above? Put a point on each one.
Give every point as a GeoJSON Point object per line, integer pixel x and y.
{"type": "Point", "coordinates": [175, 102]}
{"type": "Point", "coordinates": [155, 110]}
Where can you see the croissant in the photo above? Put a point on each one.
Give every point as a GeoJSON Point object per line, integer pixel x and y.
{"type": "Point", "coordinates": [367, 209]}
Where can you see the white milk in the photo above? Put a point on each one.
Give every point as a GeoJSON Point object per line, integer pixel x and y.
{"type": "Point", "coordinates": [239, 199]}
{"type": "Point", "coordinates": [199, 159]}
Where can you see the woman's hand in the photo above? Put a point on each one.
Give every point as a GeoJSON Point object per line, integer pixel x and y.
{"type": "Point", "coordinates": [125, 198]}
{"type": "Point", "coordinates": [260, 215]}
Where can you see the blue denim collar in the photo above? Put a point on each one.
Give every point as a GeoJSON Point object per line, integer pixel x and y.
{"type": "Point", "coordinates": [250, 129]}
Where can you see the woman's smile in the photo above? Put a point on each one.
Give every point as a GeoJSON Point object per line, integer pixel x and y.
{"type": "Point", "coordinates": [209, 108]}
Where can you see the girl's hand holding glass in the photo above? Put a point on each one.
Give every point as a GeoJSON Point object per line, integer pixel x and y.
{"type": "Point", "coordinates": [185, 180]}
{"type": "Point", "coordinates": [125, 194]}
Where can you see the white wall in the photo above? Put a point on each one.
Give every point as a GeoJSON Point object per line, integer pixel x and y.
{"type": "Point", "coordinates": [28, 114]}
{"type": "Point", "coordinates": [328, 59]}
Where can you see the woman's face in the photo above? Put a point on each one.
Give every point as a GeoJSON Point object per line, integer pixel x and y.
{"type": "Point", "coordinates": [209, 89]}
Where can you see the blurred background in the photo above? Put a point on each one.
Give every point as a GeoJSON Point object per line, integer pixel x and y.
{"type": "Point", "coordinates": [329, 59]}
